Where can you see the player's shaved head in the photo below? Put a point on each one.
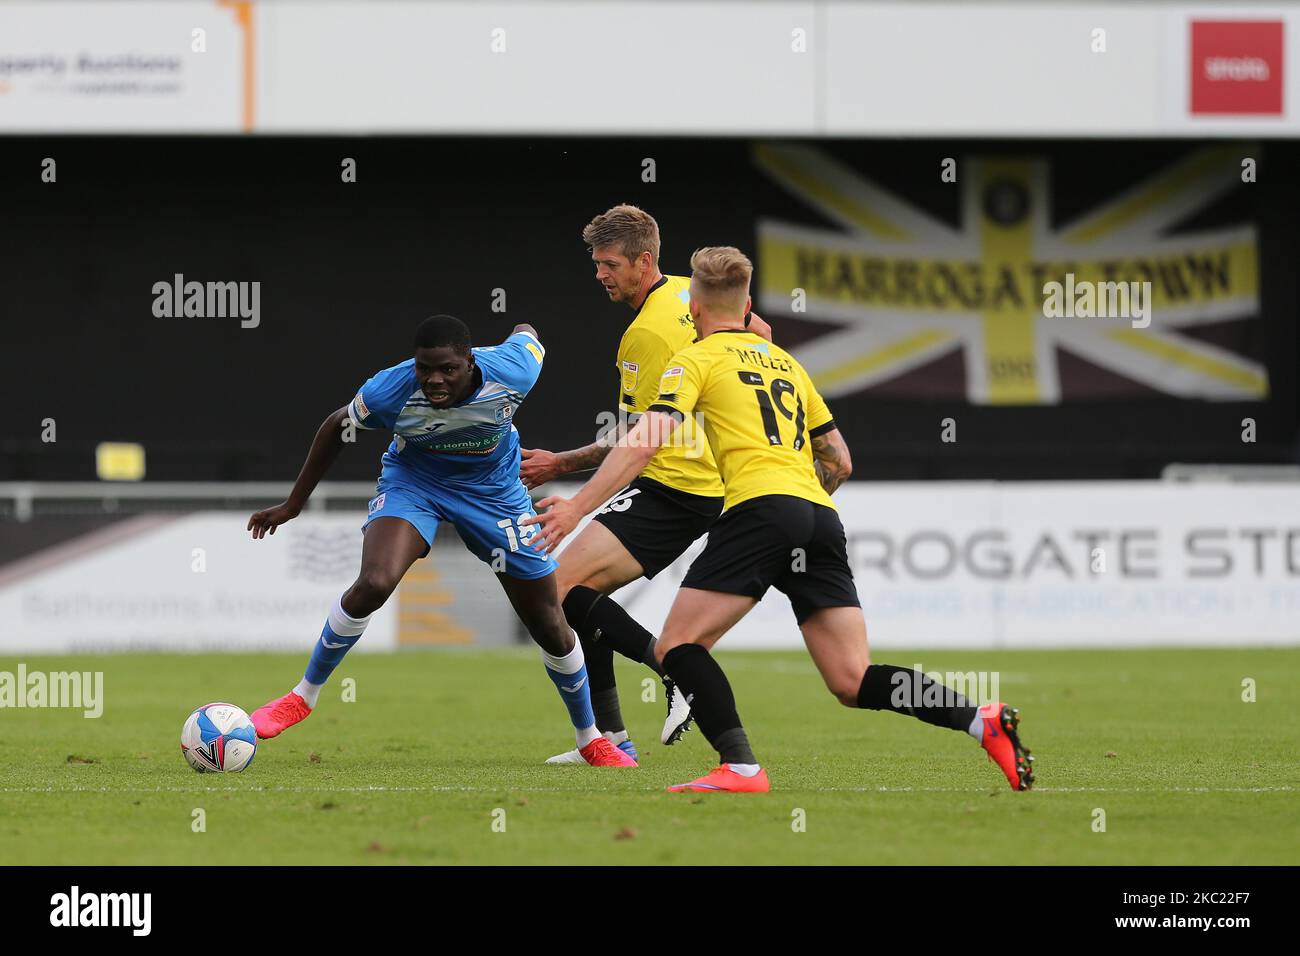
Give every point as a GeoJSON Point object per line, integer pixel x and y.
{"type": "Point", "coordinates": [443, 330]}
{"type": "Point", "coordinates": [625, 228]}
{"type": "Point", "coordinates": [720, 278]}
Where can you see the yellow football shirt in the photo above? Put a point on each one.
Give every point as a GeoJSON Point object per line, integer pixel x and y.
{"type": "Point", "coordinates": [760, 411]}
{"type": "Point", "coordinates": [662, 328]}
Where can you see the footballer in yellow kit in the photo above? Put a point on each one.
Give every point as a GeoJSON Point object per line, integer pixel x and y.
{"type": "Point", "coordinates": [661, 329]}
{"type": "Point", "coordinates": [650, 523]}
{"type": "Point", "coordinates": [780, 455]}
{"type": "Point", "coordinates": [761, 412]}
{"type": "Point", "coordinates": [763, 416]}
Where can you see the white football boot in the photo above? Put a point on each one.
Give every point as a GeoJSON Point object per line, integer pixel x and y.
{"type": "Point", "coordinates": [679, 716]}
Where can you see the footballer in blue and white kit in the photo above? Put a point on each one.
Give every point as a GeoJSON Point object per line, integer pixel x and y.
{"type": "Point", "coordinates": [460, 463]}
{"type": "Point", "coordinates": [454, 457]}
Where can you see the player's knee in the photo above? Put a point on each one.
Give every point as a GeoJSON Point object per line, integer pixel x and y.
{"type": "Point", "coordinates": [545, 623]}
{"type": "Point", "coordinates": [667, 641]}
{"type": "Point", "coordinates": [551, 635]}
{"type": "Point", "coordinates": [845, 688]}
{"type": "Point", "coordinates": [577, 604]}
{"type": "Point", "coordinates": [564, 583]}
{"type": "Point", "coordinates": [371, 590]}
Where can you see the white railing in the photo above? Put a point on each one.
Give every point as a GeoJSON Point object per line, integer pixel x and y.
{"type": "Point", "coordinates": [1231, 473]}
{"type": "Point", "coordinates": [111, 495]}
{"type": "Point", "coordinates": [114, 496]}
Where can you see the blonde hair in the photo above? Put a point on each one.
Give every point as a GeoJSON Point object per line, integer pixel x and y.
{"type": "Point", "coordinates": [628, 229]}
{"type": "Point", "coordinates": [720, 275]}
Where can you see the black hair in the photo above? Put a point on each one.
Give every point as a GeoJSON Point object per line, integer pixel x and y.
{"type": "Point", "coordinates": [439, 330]}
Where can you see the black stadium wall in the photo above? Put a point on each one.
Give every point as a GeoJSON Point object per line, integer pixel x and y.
{"type": "Point", "coordinates": [889, 257]}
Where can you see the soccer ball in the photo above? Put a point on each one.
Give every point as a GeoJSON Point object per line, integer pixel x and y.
{"type": "Point", "coordinates": [218, 738]}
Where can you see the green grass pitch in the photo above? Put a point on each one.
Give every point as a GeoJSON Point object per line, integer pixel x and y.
{"type": "Point", "coordinates": [417, 769]}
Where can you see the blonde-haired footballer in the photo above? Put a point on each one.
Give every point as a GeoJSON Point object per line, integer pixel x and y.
{"type": "Point", "coordinates": [677, 495]}
{"type": "Point", "coordinates": [780, 456]}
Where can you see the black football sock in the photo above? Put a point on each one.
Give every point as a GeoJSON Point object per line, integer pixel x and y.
{"type": "Point", "coordinates": [600, 661]}
{"type": "Point", "coordinates": [604, 619]}
{"type": "Point", "coordinates": [907, 691]}
{"type": "Point", "coordinates": [604, 703]}
{"type": "Point", "coordinates": [709, 692]}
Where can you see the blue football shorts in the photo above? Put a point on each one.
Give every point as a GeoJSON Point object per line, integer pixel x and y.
{"type": "Point", "coordinates": [486, 516]}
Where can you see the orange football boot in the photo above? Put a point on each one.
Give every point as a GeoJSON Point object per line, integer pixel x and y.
{"type": "Point", "coordinates": [1002, 742]}
{"type": "Point", "coordinates": [725, 779]}
{"type": "Point", "coordinates": [276, 716]}
{"type": "Point", "coordinates": [601, 753]}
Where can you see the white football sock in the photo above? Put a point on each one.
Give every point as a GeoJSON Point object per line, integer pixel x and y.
{"type": "Point", "coordinates": [570, 663]}
{"type": "Point", "coordinates": [746, 769]}
{"type": "Point", "coordinates": [308, 692]}
{"type": "Point", "coordinates": [976, 728]}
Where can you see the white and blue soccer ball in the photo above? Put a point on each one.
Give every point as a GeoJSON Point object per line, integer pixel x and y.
{"type": "Point", "coordinates": [218, 738]}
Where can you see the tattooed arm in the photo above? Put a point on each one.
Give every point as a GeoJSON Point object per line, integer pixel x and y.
{"type": "Point", "coordinates": [538, 466]}
{"type": "Point", "coordinates": [831, 459]}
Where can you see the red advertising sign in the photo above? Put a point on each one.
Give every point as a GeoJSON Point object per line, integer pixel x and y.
{"type": "Point", "coordinates": [1236, 66]}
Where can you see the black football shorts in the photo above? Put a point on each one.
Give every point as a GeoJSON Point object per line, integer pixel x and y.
{"type": "Point", "coordinates": [779, 541]}
{"type": "Point", "coordinates": [657, 523]}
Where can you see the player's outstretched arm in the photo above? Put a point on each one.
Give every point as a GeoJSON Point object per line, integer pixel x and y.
{"type": "Point", "coordinates": [325, 448]}
{"type": "Point", "coordinates": [832, 460]}
{"type": "Point", "coordinates": [538, 466]}
{"type": "Point", "coordinates": [557, 516]}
